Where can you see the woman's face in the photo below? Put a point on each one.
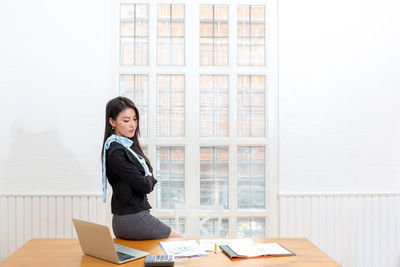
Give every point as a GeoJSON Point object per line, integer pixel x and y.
{"type": "Point", "coordinates": [126, 123]}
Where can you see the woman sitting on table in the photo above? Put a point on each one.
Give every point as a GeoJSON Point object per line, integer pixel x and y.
{"type": "Point", "coordinates": [130, 175]}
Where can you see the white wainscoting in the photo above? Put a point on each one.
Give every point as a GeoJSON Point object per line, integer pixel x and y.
{"type": "Point", "coordinates": [39, 216]}
{"type": "Point", "coordinates": [354, 230]}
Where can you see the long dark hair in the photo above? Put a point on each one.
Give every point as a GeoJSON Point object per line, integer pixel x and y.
{"type": "Point", "coordinates": [113, 109]}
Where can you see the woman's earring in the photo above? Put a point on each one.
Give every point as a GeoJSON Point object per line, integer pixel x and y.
{"type": "Point", "coordinates": [112, 128]}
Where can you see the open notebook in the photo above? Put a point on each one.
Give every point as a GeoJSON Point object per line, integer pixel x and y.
{"type": "Point", "coordinates": [255, 250]}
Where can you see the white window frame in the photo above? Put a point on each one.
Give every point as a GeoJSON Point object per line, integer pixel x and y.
{"type": "Point", "coordinates": [192, 71]}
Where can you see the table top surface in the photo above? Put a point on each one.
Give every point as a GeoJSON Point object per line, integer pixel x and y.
{"type": "Point", "coordinates": [67, 252]}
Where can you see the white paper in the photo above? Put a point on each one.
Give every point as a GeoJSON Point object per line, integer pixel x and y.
{"type": "Point", "coordinates": [209, 244]}
{"type": "Point", "coordinates": [186, 248]}
{"type": "Point", "coordinates": [273, 249]}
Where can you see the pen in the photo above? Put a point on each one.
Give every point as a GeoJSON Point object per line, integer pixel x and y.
{"type": "Point", "coordinates": [215, 248]}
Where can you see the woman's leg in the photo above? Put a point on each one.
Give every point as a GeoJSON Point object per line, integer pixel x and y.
{"type": "Point", "coordinates": [174, 234]}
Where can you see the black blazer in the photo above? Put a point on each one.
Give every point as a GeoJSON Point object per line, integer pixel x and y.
{"type": "Point", "coordinates": [126, 177]}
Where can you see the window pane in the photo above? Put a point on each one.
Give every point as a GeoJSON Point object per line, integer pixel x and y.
{"type": "Point", "coordinates": [170, 35]}
{"type": "Point", "coordinates": [206, 51]}
{"type": "Point", "coordinates": [133, 34]}
{"type": "Point", "coordinates": [163, 50]}
{"type": "Point", "coordinates": [127, 28]}
{"type": "Point", "coordinates": [251, 227]}
{"type": "Point", "coordinates": [127, 49]}
{"type": "Point", "coordinates": [251, 106]}
{"type": "Point", "coordinates": [257, 52]}
{"type": "Point", "coordinates": [214, 105]}
{"type": "Point", "coordinates": [170, 188]}
{"type": "Point", "coordinates": [134, 87]}
{"type": "Point", "coordinates": [221, 51]}
{"type": "Point", "coordinates": [243, 49]}
{"type": "Point", "coordinates": [213, 35]}
{"type": "Point", "coordinates": [206, 29]}
{"type": "Point", "coordinates": [251, 36]}
{"type": "Point", "coordinates": [177, 51]}
{"type": "Point", "coordinates": [214, 176]}
{"type": "Point", "coordinates": [141, 51]}
{"type": "Point", "coordinates": [211, 226]}
{"type": "Point", "coordinates": [170, 105]}
{"type": "Point", "coordinates": [171, 223]}
{"type": "Point", "coordinates": [251, 177]}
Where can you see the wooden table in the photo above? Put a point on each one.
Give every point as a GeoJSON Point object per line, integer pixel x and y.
{"type": "Point", "coordinates": [67, 252]}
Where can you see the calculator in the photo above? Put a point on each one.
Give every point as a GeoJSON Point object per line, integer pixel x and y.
{"type": "Point", "coordinates": [159, 260]}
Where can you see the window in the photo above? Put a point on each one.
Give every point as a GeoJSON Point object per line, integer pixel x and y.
{"type": "Point", "coordinates": [213, 35]}
{"type": "Point", "coordinates": [214, 105]}
{"type": "Point", "coordinates": [170, 105]}
{"type": "Point", "coordinates": [214, 176]}
{"type": "Point", "coordinates": [170, 175]}
{"type": "Point", "coordinates": [251, 177]}
{"type": "Point", "coordinates": [170, 34]}
{"type": "Point", "coordinates": [250, 34]}
{"type": "Point", "coordinates": [134, 86]}
{"type": "Point", "coordinates": [254, 227]}
{"type": "Point", "coordinates": [203, 77]}
{"type": "Point", "coordinates": [251, 105]}
{"type": "Point", "coordinates": [133, 34]}
{"type": "Point", "coordinates": [211, 226]}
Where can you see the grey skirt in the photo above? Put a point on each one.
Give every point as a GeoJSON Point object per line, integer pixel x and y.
{"type": "Point", "coordinates": [139, 226]}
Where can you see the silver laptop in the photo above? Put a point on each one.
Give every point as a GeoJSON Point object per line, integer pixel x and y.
{"type": "Point", "coordinates": [96, 241]}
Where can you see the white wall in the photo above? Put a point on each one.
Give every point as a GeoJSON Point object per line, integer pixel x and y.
{"type": "Point", "coordinates": [339, 82]}
{"type": "Point", "coordinates": [338, 85]}
{"type": "Point", "coordinates": [339, 96]}
{"type": "Point", "coordinates": [54, 80]}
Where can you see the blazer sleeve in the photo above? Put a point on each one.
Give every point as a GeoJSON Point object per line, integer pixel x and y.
{"type": "Point", "coordinates": [129, 173]}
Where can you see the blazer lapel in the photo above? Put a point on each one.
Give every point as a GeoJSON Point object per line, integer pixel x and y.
{"type": "Point", "coordinates": [134, 160]}
{"type": "Point", "coordinates": [129, 155]}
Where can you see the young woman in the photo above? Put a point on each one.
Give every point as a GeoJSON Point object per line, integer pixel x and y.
{"type": "Point", "coordinates": [130, 175]}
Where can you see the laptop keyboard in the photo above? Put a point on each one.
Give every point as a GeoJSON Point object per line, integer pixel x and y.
{"type": "Point", "coordinates": [123, 256]}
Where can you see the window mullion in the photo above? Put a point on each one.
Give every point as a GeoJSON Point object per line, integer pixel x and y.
{"type": "Point", "coordinates": [271, 71]}
{"type": "Point", "coordinates": [232, 187]}
{"type": "Point", "coordinates": [152, 92]}
{"type": "Point", "coordinates": [232, 40]}
{"type": "Point", "coordinates": [192, 161]}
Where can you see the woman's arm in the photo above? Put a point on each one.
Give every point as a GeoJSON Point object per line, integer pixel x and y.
{"type": "Point", "coordinates": [129, 173]}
